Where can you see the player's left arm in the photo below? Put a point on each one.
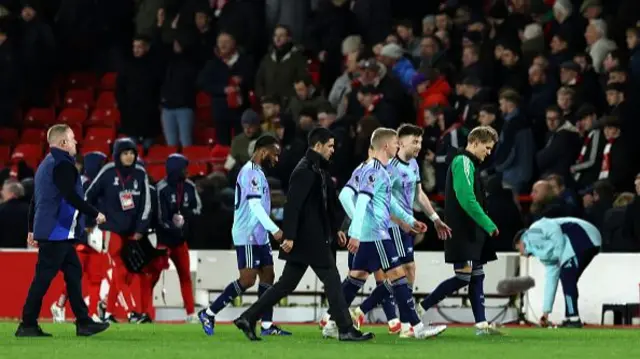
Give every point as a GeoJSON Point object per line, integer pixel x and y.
{"type": "Point", "coordinates": [144, 215]}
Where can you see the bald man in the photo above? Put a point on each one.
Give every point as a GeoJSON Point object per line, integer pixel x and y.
{"type": "Point", "coordinates": [56, 222]}
{"type": "Point", "coordinates": [545, 202]}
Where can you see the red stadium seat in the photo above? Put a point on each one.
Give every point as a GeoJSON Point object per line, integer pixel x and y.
{"type": "Point", "coordinates": [156, 171]}
{"type": "Point", "coordinates": [108, 81]}
{"type": "Point", "coordinates": [203, 100]}
{"type": "Point", "coordinates": [205, 136]}
{"type": "Point", "coordinates": [33, 136]}
{"type": "Point", "coordinates": [79, 99]}
{"type": "Point", "coordinates": [5, 154]}
{"type": "Point", "coordinates": [96, 147]}
{"type": "Point", "coordinates": [8, 136]}
{"type": "Point", "coordinates": [159, 153]}
{"type": "Point", "coordinates": [77, 131]}
{"type": "Point", "coordinates": [40, 117]}
{"type": "Point", "coordinates": [104, 117]}
{"type": "Point", "coordinates": [107, 99]}
{"type": "Point", "coordinates": [28, 152]}
{"type": "Point", "coordinates": [197, 153]}
{"type": "Point", "coordinates": [197, 169]}
{"type": "Point", "coordinates": [82, 80]}
{"type": "Point", "coordinates": [100, 134]}
{"type": "Point", "coordinates": [219, 155]}
{"type": "Point", "coordinates": [72, 116]}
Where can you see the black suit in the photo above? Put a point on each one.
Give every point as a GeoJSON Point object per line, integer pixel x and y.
{"type": "Point", "coordinates": [309, 221]}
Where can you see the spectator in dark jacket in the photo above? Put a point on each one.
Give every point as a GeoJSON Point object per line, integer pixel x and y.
{"type": "Point", "coordinates": [138, 90]}
{"type": "Point", "coordinates": [14, 213]}
{"type": "Point", "coordinates": [633, 44]}
{"type": "Point", "coordinates": [515, 147]}
{"type": "Point", "coordinates": [178, 94]}
{"type": "Point", "coordinates": [562, 145]}
{"type": "Point", "coordinates": [227, 78]}
{"type": "Point", "coordinates": [597, 203]}
{"type": "Point", "coordinates": [280, 67]}
{"type": "Point", "coordinates": [307, 95]}
{"type": "Point", "coordinates": [565, 194]}
{"type": "Point", "coordinates": [615, 166]}
{"type": "Point", "coordinates": [618, 232]}
{"type": "Point", "coordinates": [545, 203]}
{"type": "Point", "coordinates": [504, 210]}
{"type": "Point", "coordinates": [9, 79]}
{"type": "Point", "coordinates": [121, 189]}
{"type": "Point", "coordinates": [586, 169]}
{"type": "Point", "coordinates": [542, 96]}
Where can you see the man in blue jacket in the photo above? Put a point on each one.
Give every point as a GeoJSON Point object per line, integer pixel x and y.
{"type": "Point", "coordinates": [178, 203]}
{"type": "Point", "coordinates": [56, 222]}
{"type": "Point", "coordinates": [565, 246]}
{"type": "Point", "coordinates": [122, 189]}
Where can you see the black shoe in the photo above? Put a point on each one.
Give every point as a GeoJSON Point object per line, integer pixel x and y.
{"type": "Point", "coordinates": [574, 324]}
{"type": "Point", "coordinates": [90, 328]}
{"type": "Point", "coordinates": [248, 328]}
{"type": "Point", "coordinates": [354, 335]}
{"type": "Point", "coordinates": [24, 332]}
{"type": "Point", "coordinates": [134, 317]}
{"type": "Point", "coordinates": [110, 319]}
{"type": "Point", "coordinates": [145, 319]}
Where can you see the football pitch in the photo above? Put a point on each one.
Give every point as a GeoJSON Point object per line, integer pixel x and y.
{"type": "Point", "coordinates": [160, 341]}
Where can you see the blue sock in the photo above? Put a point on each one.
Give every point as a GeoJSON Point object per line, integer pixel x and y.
{"type": "Point", "coordinates": [267, 315]}
{"type": "Point", "coordinates": [476, 295]}
{"type": "Point", "coordinates": [389, 303]}
{"type": "Point", "coordinates": [406, 304]}
{"type": "Point", "coordinates": [444, 289]}
{"type": "Point", "coordinates": [379, 295]}
{"type": "Point", "coordinates": [402, 317]}
{"type": "Point", "coordinates": [350, 288]}
{"type": "Point", "coordinates": [233, 290]}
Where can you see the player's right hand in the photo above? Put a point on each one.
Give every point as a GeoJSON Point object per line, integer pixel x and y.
{"type": "Point", "coordinates": [100, 219]}
{"type": "Point", "coordinates": [495, 233]}
{"type": "Point", "coordinates": [287, 245]}
{"type": "Point", "coordinates": [278, 235]}
{"type": "Point", "coordinates": [353, 245]}
{"type": "Point", "coordinates": [30, 241]}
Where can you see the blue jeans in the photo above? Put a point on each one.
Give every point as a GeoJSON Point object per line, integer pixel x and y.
{"type": "Point", "coordinates": [177, 125]}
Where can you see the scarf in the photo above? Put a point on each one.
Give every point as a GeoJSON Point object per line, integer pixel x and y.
{"type": "Point", "coordinates": [606, 159]}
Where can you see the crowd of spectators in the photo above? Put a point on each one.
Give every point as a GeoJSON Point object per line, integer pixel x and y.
{"type": "Point", "coordinates": [557, 79]}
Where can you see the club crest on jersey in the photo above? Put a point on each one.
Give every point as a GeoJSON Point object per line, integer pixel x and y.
{"type": "Point", "coordinates": [135, 185]}
{"type": "Point", "coordinates": [255, 183]}
{"type": "Point", "coordinates": [371, 179]}
{"type": "Point", "coordinates": [173, 198]}
{"type": "Point", "coordinates": [357, 179]}
{"type": "Point", "coordinates": [116, 181]}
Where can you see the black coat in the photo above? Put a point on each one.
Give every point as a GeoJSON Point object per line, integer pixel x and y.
{"type": "Point", "coordinates": [13, 219]}
{"type": "Point", "coordinates": [309, 215]}
{"type": "Point", "coordinates": [468, 242]}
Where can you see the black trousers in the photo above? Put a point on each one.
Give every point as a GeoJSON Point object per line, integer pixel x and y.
{"type": "Point", "coordinates": [287, 283]}
{"type": "Point", "coordinates": [53, 257]}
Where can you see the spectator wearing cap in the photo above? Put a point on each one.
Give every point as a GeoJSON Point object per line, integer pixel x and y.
{"type": "Point", "coordinates": [567, 21]}
{"type": "Point", "coordinates": [562, 145]}
{"type": "Point", "coordinates": [586, 168]}
{"type": "Point", "coordinates": [598, 45]}
{"type": "Point", "coordinates": [242, 144]}
{"type": "Point", "coordinates": [626, 114]}
{"type": "Point", "coordinates": [560, 50]}
{"type": "Point", "coordinates": [392, 56]}
{"type": "Point", "coordinates": [615, 166]}
{"type": "Point", "coordinates": [515, 147]}
{"type": "Point", "coordinates": [618, 75]}
{"type": "Point", "coordinates": [306, 96]}
{"type": "Point", "coordinates": [513, 75]}
{"type": "Point", "coordinates": [278, 69]}
{"type": "Point", "coordinates": [633, 44]}
{"type": "Point", "coordinates": [542, 96]}
{"type": "Point", "coordinates": [227, 77]}
{"type": "Point", "coordinates": [342, 87]}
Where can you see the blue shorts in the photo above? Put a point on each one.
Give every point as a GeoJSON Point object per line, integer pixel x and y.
{"type": "Point", "coordinates": [350, 257]}
{"type": "Point", "coordinates": [404, 244]}
{"type": "Point", "coordinates": [254, 256]}
{"type": "Point", "coordinates": [372, 256]}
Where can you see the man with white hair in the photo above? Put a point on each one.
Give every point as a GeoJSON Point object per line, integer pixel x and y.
{"type": "Point", "coordinates": [598, 45]}
{"type": "Point", "coordinates": [14, 212]}
{"type": "Point", "coordinates": [566, 21]}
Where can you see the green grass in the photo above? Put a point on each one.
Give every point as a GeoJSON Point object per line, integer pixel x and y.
{"type": "Point", "coordinates": [188, 342]}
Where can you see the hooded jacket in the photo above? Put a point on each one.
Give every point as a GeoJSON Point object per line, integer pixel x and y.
{"type": "Point", "coordinates": [123, 193]}
{"type": "Point", "coordinates": [175, 195]}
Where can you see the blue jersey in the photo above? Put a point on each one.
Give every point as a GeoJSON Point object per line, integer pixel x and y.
{"type": "Point", "coordinates": [251, 183]}
{"type": "Point", "coordinates": [405, 176]}
{"type": "Point", "coordinates": [376, 183]}
{"type": "Point", "coordinates": [356, 176]}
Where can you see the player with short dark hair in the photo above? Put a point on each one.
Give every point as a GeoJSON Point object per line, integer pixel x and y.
{"type": "Point", "coordinates": [251, 227]}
